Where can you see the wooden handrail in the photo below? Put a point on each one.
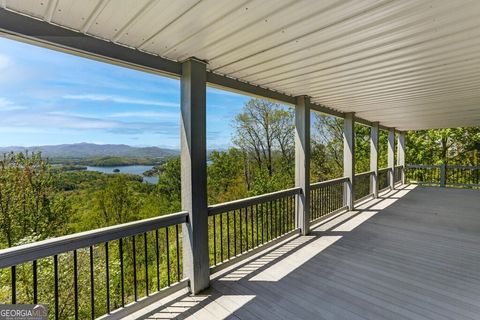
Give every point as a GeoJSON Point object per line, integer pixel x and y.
{"type": "Point", "coordinates": [320, 184]}
{"type": "Point", "coordinates": [54, 246]}
{"type": "Point", "coordinates": [242, 203]}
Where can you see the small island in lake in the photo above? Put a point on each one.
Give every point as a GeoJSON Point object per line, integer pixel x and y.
{"type": "Point", "coordinates": [116, 170]}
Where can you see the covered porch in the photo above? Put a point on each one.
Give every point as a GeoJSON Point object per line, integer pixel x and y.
{"type": "Point", "coordinates": [410, 254]}
{"type": "Point", "coordinates": [363, 246]}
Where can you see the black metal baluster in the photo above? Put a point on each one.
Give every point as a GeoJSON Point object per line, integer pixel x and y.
{"type": "Point", "coordinates": [35, 282]}
{"type": "Point", "coordinates": [241, 231]}
{"type": "Point", "coordinates": [319, 200]}
{"type": "Point", "coordinates": [275, 218]}
{"type": "Point", "coordinates": [228, 234]}
{"type": "Point", "coordinates": [122, 278]}
{"type": "Point", "coordinates": [157, 259]}
{"type": "Point", "coordinates": [256, 218]}
{"type": "Point", "coordinates": [292, 212]}
{"type": "Point", "coordinates": [107, 277]}
{"type": "Point", "coordinates": [92, 287]}
{"type": "Point", "coordinates": [221, 237]}
{"type": "Point", "coordinates": [289, 218]}
{"type": "Point", "coordinates": [168, 256]}
{"type": "Point", "coordinates": [55, 277]}
{"type": "Point", "coordinates": [279, 215]}
{"type": "Point", "coordinates": [323, 202]}
{"type": "Point", "coordinates": [134, 255]}
{"type": "Point", "coordinates": [263, 221]}
{"type": "Point", "coordinates": [178, 252]}
{"type": "Point", "coordinates": [214, 242]}
{"type": "Point", "coordinates": [252, 227]}
{"type": "Point", "coordinates": [282, 220]}
{"type": "Point", "coordinates": [313, 204]}
{"type": "Point", "coordinates": [330, 198]}
{"type": "Point", "coordinates": [234, 232]}
{"type": "Point", "coordinates": [246, 229]}
{"type": "Point", "coordinates": [145, 245]}
{"type": "Point", "coordinates": [282, 217]}
{"type": "Point", "coordinates": [14, 284]}
{"type": "Point", "coordinates": [267, 224]}
{"type": "Point", "coordinates": [271, 220]}
{"type": "Point", "coordinates": [75, 283]}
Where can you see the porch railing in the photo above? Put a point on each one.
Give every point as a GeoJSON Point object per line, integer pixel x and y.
{"type": "Point", "coordinates": [362, 185]}
{"type": "Point", "coordinates": [444, 175]}
{"type": "Point", "coordinates": [326, 197]}
{"type": "Point", "coordinates": [383, 178]}
{"type": "Point", "coordinates": [238, 227]}
{"type": "Point", "coordinates": [397, 174]}
{"type": "Point", "coordinates": [90, 274]}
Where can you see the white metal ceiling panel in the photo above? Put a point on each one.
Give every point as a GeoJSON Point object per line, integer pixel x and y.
{"type": "Point", "coordinates": [410, 64]}
{"type": "Point", "coordinates": [115, 17]}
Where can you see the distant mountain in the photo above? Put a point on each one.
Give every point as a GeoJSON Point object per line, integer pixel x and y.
{"type": "Point", "coordinates": [91, 150]}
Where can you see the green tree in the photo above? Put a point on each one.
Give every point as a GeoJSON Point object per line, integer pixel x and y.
{"type": "Point", "coordinates": [326, 147]}
{"type": "Point", "coordinates": [30, 203]}
{"type": "Point", "coordinates": [170, 183]}
{"type": "Point", "coordinates": [264, 129]}
{"type": "Point", "coordinates": [226, 176]}
{"type": "Point", "coordinates": [450, 146]}
{"type": "Point", "coordinates": [118, 202]}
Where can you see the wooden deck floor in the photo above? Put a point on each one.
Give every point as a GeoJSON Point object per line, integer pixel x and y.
{"type": "Point", "coordinates": [414, 254]}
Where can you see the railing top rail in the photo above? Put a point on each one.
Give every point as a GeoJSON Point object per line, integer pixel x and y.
{"type": "Point", "coordinates": [242, 203]}
{"type": "Point", "coordinates": [366, 173]}
{"type": "Point", "coordinates": [383, 169]}
{"type": "Point", "coordinates": [429, 166]}
{"type": "Point", "coordinates": [49, 247]}
{"type": "Point", "coordinates": [320, 184]}
{"type": "Point", "coordinates": [422, 166]}
{"type": "Point", "coordinates": [463, 167]}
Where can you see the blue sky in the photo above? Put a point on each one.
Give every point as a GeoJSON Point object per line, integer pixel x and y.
{"type": "Point", "coordinates": [49, 97]}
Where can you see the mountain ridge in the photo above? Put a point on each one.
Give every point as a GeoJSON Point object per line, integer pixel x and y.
{"type": "Point", "coordinates": [84, 150]}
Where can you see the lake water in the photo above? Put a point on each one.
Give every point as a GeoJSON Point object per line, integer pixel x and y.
{"type": "Point", "coordinates": [138, 169]}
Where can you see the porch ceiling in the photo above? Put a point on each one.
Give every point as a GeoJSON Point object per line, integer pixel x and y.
{"type": "Point", "coordinates": [409, 64]}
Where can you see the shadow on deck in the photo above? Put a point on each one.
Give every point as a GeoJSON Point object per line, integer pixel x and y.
{"type": "Point", "coordinates": [412, 254]}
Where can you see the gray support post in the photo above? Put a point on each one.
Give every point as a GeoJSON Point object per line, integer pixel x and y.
{"type": "Point", "coordinates": [349, 158]}
{"type": "Point", "coordinates": [391, 157]}
{"type": "Point", "coordinates": [374, 135]}
{"type": "Point", "coordinates": [194, 174]}
{"type": "Point", "coordinates": [302, 161]}
{"type": "Point", "coordinates": [401, 154]}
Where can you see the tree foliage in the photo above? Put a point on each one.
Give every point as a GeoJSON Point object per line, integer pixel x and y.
{"type": "Point", "coordinates": [30, 204]}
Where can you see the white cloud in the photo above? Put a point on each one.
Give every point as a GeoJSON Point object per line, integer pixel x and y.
{"type": "Point", "coordinates": [119, 99]}
{"type": "Point", "coordinates": [146, 114]}
{"type": "Point", "coordinates": [7, 105]}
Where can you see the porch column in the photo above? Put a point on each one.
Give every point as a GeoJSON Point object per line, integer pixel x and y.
{"type": "Point", "coordinates": [302, 161]}
{"type": "Point", "coordinates": [391, 157]}
{"type": "Point", "coordinates": [349, 158]}
{"type": "Point", "coordinates": [194, 174]}
{"type": "Point", "coordinates": [401, 154]}
{"type": "Point", "coordinates": [374, 134]}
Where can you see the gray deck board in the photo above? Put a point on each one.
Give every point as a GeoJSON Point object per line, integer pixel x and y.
{"type": "Point", "coordinates": [417, 256]}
